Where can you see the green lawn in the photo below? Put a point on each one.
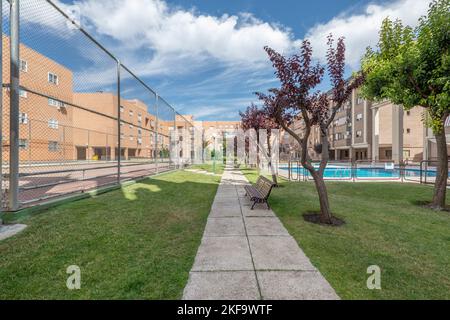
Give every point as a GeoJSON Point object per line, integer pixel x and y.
{"type": "Point", "coordinates": [384, 227]}
{"type": "Point", "coordinates": [209, 167]}
{"type": "Point", "coordinates": [136, 243]}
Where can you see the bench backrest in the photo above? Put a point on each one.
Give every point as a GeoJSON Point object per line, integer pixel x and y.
{"type": "Point", "coordinates": [264, 186]}
{"type": "Point", "coordinates": [259, 183]}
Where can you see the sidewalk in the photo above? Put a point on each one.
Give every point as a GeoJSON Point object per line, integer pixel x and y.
{"type": "Point", "coordinates": [249, 255]}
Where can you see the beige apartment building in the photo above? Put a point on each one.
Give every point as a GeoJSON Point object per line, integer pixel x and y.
{"type": "Point", "coordinates": [58, 124]}
{"type": "Point", "coordinates": [381, 131]}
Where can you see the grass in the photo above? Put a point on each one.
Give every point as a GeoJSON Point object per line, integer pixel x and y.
{"type": "Point", "coordinates": [138, 242]}
{"type": "Point", "coordinates": [384, 227]}
{"type": "Point", "coordinates": [209, 167]}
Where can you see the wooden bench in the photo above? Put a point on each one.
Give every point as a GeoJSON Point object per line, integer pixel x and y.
{"type": "Point", "coordinates": [260, 192]}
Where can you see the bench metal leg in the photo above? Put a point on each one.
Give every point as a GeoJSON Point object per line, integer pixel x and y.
{"type": "Point", "coordinates": [268, 207]}
{"type": "Point", "coordinates": [254, 204]}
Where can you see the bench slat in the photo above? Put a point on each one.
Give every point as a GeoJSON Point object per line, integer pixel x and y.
{"type": "Point", "coordinates": [261, 191]}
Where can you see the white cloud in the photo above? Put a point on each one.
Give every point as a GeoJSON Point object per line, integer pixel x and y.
{"type": "Point", "coordinates": [173, 32]}
{"type": "Point", "coordinates": [361, 30]}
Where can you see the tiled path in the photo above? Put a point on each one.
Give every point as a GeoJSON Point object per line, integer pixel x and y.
{"type": "Point", "coordinates": [249, 255]}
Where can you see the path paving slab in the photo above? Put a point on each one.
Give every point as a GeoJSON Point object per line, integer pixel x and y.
{"type": "Point", "coordinates": [294, 285]}
{"type": "Point", "coordinates": [247, 212]}
{"type": "Point", "coordinates": [241, 192]}
{"type": "Point", "coordinates": [226, 202]}
{"type": "Point", "coordinates": [278, 253]}
{"type": "Point", "coordinates": [227, 192]}
{"type": "Point", "coordinates": [225, 196]}
{"type": "Point", "coordinates": [220, 227]}
{"type": "Point", "coordinates": [223, 254]}
{"type": "Point", "coordinates": [224, 285]}
{"type": "Point", "coordinates": [272, 267]}
{"type": "Point", "coordinates": [8, 231]}
{"type": "Point", "coordinates": [265, 226]}
{"type": "Point", "coordinates": [223, 212]}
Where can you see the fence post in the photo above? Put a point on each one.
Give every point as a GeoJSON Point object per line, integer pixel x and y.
{"type": "Point", "coordinates": [1, 115]}
{"type": "Point", "coordinates": [119, 119]}
{"type": "Point", "coordinates": [29, 143]}
{"type": "Point", "coordinates": [14, 106]}
{"type": "Point", "coordinates": [157, 130]}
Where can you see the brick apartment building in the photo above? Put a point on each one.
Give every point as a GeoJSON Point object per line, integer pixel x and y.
{"type": "Point", "coordinates": [58, 124]}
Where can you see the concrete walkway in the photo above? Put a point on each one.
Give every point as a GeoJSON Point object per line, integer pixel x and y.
{"type": "Point", "coordinates": [249, 255]}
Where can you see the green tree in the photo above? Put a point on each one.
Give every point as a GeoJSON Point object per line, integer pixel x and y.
{"type": "Point", "coordinates": [411, 67]}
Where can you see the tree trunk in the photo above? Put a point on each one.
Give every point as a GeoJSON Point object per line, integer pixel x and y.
{"type": "Point", "coordinates": [440, 186]}
{"type": "Point", "coordinates": [325, 213]}
{"type": "Point", "coordinates": [272, 171]}
{"type": "Point", "coordinates": [258, 160]}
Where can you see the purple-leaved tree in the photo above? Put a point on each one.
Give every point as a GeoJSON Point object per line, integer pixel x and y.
{"type": "Point", "coordinates": [259, 119]}
{"type": "Point", "coordinates": [298, 98]}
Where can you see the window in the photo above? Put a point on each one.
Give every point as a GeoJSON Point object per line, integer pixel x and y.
{"type": "Point", "coordinates": [131, 113]}
{"type": "Point", "coordinates": [359, 100]}
{"type": "Point", "coordinates": [139, 140]}
{"type": "Point", "coordinates": [53, 78]}
{"type": "Point", "coordinates": [388, 154]}
{"type": "Point", "coordinates": [23, 94]}
{"type": "Point", "coordinates": [122, 136]}
{"type": "Point", "coordinates": [359, 117]}
{"type": "Point", "coordinates": [53, 124]}
{"type": "Point", "coordinates": [408, 131]}
{"type": "Point", "coordinates": [23, 118]}
{"type": "Point", "coordinates": [359, 134]}
{"type": "Point", "coordinates": [131, 126]}
{"type": "Point", "coordinates": [23, 65]}
{"type": "Point", "coordinates": [408, 113]}
{"type": "Point", "coordinates": [53, 146]}
{"type": "Point", "coordinates": [55, 103]}
{"type": "Point", "coordinates": [139, 131]}
{"type": "Point", "coordinates": [23, 144]}
{"type": "Point", "coordinates": [122, 109]}
{"type": "Point", "coordinates": [341, 121]}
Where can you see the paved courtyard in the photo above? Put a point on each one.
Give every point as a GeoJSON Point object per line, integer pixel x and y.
{"type": "Point", "coordinates": [249, 255]}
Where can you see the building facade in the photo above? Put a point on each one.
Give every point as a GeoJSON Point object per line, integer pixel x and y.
{"type": "Point", "coordinates": [367, 131]}
{"type": "Point", "coordinates": [59, 124]}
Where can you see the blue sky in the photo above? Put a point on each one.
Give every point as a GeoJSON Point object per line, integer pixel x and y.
{"type": "Point", "coordinates": [205, 57]}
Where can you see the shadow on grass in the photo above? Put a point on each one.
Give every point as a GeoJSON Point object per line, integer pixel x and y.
{"type": "Point", "coordinates": [138, 242]}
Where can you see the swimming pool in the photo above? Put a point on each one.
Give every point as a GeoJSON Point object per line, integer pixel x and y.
{"type": "Point", "coordinates": [336, 172]}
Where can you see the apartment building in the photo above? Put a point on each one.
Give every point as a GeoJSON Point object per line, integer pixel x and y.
{"type": "Point", "coordinates": [221, 125]}
{"type": "Point", "coordinates": [45, 131]}
{"type": "Point", "coordinates": [199, 131]}
{"type": "Point", "coordinates": [364, 130]}
{"type": "Point", "coordinates": [59, 124]}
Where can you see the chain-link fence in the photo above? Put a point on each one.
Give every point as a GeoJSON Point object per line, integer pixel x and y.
{"type": "Point", "coordinates": [73, 117]}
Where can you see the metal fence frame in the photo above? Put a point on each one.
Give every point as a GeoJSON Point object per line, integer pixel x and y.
{"type": "Point", "coordinates": [13, 176]}
{"type": "Point", "coordinates": [423, 168]}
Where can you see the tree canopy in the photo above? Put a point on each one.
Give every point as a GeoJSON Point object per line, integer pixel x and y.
{"type": "Point", "coordinates": [411, 67]}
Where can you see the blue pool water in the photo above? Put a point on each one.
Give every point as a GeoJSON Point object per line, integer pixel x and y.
{"type": "Point", "coordinates": [369, 172]}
